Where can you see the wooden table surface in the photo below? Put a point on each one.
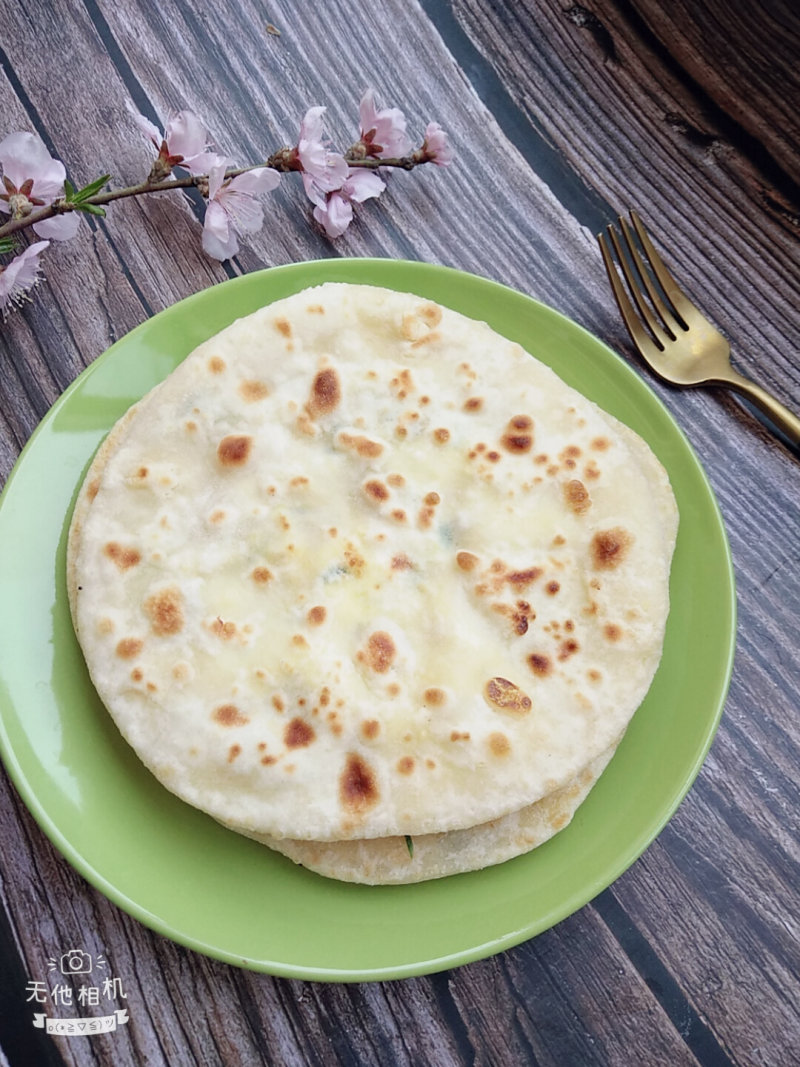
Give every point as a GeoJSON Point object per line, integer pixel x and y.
{"type": "Point", "coordinates": [562, 116]}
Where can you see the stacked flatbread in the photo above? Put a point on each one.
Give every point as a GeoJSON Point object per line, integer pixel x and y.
{"type": "Point", "coordinates": [365, 581]}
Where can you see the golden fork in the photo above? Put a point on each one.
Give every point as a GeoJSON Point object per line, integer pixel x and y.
{"type": "Point", "coordinates": [676, 341]}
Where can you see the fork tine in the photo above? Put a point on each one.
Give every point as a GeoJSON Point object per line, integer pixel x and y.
{"type": "Point", "coordinates": [680, 303]}
{"type": "Point", "coordinates": [640, 336]}
{"type": "Point", "coordinates": [667, 315]}
{"type": "Point", "coordinates": [634, 273]}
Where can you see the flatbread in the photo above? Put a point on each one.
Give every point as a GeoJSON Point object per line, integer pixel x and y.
{"type": "Point", "coordinates": [361, 568]}
{"type": "Point", "coordinates": [404, 860]}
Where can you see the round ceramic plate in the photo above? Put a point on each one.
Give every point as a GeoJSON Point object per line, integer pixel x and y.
{"type": "Point", "coordinates": [185, 876]}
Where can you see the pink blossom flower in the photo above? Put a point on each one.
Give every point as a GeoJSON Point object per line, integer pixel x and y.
{"type": "Point", "coordinates": [383, 133]}
{"type": "Point", "coordinates": [183, 143]}
{"type": "Point", "coordinates": [232, 208]}
{"type": "Point", "coordinates": [336, 213]}
{"type": "Point", "coordinates": [31, 179]}
{"type": "Point", "coordinates": [322, 171]}
{"type": "Point", "coordinates": [436, 147]}
{"type": "Point", "coordinates": [21, 275]}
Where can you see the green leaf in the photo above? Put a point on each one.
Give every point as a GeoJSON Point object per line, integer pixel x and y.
{"type": "Point", "coordinates": [91, 209]}
{"type": "Point", "coordinates": [69, 190]}
{"type": "Point", "coordinates": [91, 189]}
{"type": "Point", "coordinates": [410, 846]}
{"type": "Point", "coordinates": [7, 245]}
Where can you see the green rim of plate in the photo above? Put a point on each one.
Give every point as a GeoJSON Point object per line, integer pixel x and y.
{"type": "Point", "coordinates": [186, 877]}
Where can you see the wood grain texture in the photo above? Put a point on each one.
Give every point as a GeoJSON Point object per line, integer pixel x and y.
{"type": "Point", "coordinates": [561, 116]}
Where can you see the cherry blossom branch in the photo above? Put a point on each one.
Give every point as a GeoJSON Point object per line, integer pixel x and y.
{"type": "Point", "coordinates": [37, 195]}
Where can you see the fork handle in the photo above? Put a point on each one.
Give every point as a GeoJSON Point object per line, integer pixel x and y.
{"type": "Point", "coordinates": [784, 419]}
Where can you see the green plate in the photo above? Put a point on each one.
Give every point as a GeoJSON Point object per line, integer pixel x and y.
{"type": "Point", "coordinates": [185, 876]}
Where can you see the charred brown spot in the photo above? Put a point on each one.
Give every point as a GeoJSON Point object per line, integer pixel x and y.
{"type": "Point", "coordinates": [459, 735]}
{"type": "Point", "coordinates": [473, 404]}
{"type": "Point", "coordinates": [325, 392]}
{"type": "Point", "coordinates": [499, 745]}
{"type": "Point", "coordinates": [315, 309]}
{"type": "Point", "coordinates": [93, 488]}
{"type": "Point", "coordinates": [229, 715]}
{"type": "Point", "coordinates": [432, 499]}
{"type": "Point", "coordinates": [376, 490]}
{"type": "Point", "coordinates": [129, 647]}
{"type": "Point", "coordinates": [427, 339]}
{"type": "Point", "coordinates": [283, 326]}
{"type": "Point", "coordinates": [576, 497]}
{"type": "Point", "coordinates": [317, 615]}
{"type": "Point", "coordinates": [165, 611]}
{"type": "Point", "coordinates": [136, 675]}
{"type": "Point", "coordinates": [552, 587]}
{"type": "Point", "coordinates": [402, 563]}
{"type": "Point", "coordinates": [405, 765]}
{"type": "Point", "coordinates": [441, 435]}
{"type": "Point", "coordinates": [493, 457]}
{"type": "Point", "coordinates": [277, 703]}
{"type": "Point", "coordinates": [234, 450]}
{"type": "Point", "coordinates": [568, 648]}
{"type": "Point", "coordinates": [370, 728]}
{"type": "Point", "coordinates": [540, 664]}
{"type": "Point", "coordinates": [298, 734]}
{"type": "Point", "coordinates": [431, 313]}
{"type": "Point", "coordinates": [518, 436]}
{"type": "Point", "coordinates": [504, 695]}
{"type": "Point", "coordinates": [125, 558]}
{"type": "Point", "coordinates": [216, 365]}
{"type": "Point", "coordinates": [594, 675]}
{"type": "Point", "coordinates": [399, 515]}
{"type": "Point", "coordinates": [467, 561]}
{"type": "Point", "coordinates": [261, 575]}
{"type": "Point", "coordinates": [434, 697]}
{"type": "Point", "coordinates": [612, 632]}
{"type": "Point", "coordinates": [395, 480]}
{"type": "Point", "coordinates": [610, 547]}
{"type": "Point", "coordinates": [361, 445]}
{"type": "Point", "coordinates": [425, 518]}
{"type": "Point", "coordinates": [524, 577]}
{"type": "Point", "coordinates": [233, 752]}
{"type": "Point", "coordinates": [358, 789]}
{"type": "Point", "coordinates": [381, 651]}
{"type": "Point", "coordinates": [600, 444]}
{"type": "Point", "coordinates": [251, 391]}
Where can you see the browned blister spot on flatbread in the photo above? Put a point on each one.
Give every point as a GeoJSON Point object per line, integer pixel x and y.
{"type": "Point", "coordinates": [370, 728]}
{"type": "Point", "coordinates": [234, 450]}
{"type": "Point", "coordinates": [600, 444]}
{"type": "Point", "coordinates": [124, 558]}
{"type": "Point", "coordinates": [427, 339]}
{"type": "Point", "coordinates": [540, 664]}
{"type": "Point", "coordinates": [229, 715]}
{"type": "Point", "coordinates": [434, 697]}
{"type": "Point", "coordinates": [233, 752]}
{"type": "Point", "coordinates": [568, 648]}
{"type": "Point", "coordinates": [252, 390]}
{"type": "Point", "coordinates": [473, 404]}
{"type": "Point", "coordinates": [518, 436]}
{"type": "Point", "coordinates": [129, 647]}
{"type": "Point", "coordinates": [283, 326]}
{"type": "Point", "coordinates": [261, 575]}
{"type": "Point", "coordinates": [93, 488]}
{"type": "Point", "coordinates": [325, 393]}
{"type": "Point", "coordinates": [363, 446]}
{"type": "Point", "coordinates": [405, 765]}
{"type": "Point", "coordinates": [216, 365]}
{"type": "Point", "coordinates": [612, 632]}
{"type": "Point", "coordinates": [224, 630]}
{"type": "Point", "coordinates": [380, 652]}
{"type": "Point", "coordinates": [317, 615]}
{"type": "Point", "coordinates": [610, 547]}
{"type": "Point", "coordinates": [499, 744]}
{"type": "Point", "coordinates": [298, 734]}
{"type": "Point", "coordinates": [376, 491]}
{"type": "Point", "coordinates": [358, 788]}
{"type": "Point", "coordinates": [441, 435]}
{"type": "Point", "coordinates": [552, 587]}
{"type": "Point", "coordinates": [401, 562]}
{"type": "Point", "coordinates": [165, 611]}
{"type": "Point", "coordinates": [504, 695]}
{"type": "Point", "coordinates": [431, 313]}
{"type": "Point", "coordinates": [522, 578]}
{"type": "Point", "coordinates": [466, 561]}
{"type": "Point", "coordinates": [576, 497]}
